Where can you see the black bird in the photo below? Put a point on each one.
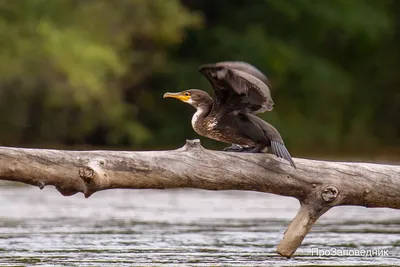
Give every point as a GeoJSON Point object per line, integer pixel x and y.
{"type": "Point", "coordinates": [241, 91]}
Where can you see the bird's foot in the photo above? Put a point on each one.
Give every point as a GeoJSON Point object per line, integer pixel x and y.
{"type": "Point", "coordinates": [257, 149]}
{"type": "Point", "coordinates": [245, 149]}
{"type": "Point", "coordinates": [236, 148]}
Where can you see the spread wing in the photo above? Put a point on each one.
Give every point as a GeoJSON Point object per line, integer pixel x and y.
{"type": "Point", "coordinates": [238, 86]}
{"type": "Point", "coordinates": [245, 67]}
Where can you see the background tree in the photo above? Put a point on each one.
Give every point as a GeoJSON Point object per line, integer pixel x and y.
{"type": "Point", "coordinates": [64, 66]}
{"type": "Point", "coordinates": [93, 72]}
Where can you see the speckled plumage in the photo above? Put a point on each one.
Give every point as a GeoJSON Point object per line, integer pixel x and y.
{"type": "Point", "coordinates": [241, 91]}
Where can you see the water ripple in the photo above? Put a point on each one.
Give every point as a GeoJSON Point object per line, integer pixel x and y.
{"type": "Point", "coordinates": [180, 228]}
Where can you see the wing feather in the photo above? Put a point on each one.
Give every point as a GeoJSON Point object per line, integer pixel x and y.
{"type": "Point", "coordinates": [239, 86]}
{"type": "Point", "coordinates": [245, 67]}
{"type": "Point", "coordinates": [257, 92]}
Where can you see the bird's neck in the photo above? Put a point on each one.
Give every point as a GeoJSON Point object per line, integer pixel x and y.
{"type": "Point", "coordinates": [202, 112]}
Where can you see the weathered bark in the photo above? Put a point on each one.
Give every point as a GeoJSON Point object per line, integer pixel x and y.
{"type": "Point", "coordinates": [318, 185]}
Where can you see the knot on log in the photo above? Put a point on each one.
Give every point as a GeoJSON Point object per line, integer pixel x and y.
{"type": "Point", "coordinates": [191, 144]}
{"type": "Point", "coordinates": [94, 176]}
{"type": "Point", "coordinates": [41, 184]}
{"type": "Point", "coordinates": [329, 193]}
{"type": "Point", "coordinates": [86, 173]}
{"type": "Point", "coordinates": [66, 191]}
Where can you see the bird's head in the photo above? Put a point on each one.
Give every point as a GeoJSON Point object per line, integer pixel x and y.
{"type": "Point", "coordinates": [194, 97]}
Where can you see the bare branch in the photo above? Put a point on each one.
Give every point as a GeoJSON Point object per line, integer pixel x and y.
{"type": "Point", "coordinates": [318, 185]}
{"type": "Point", "coordinates": [299, 228]}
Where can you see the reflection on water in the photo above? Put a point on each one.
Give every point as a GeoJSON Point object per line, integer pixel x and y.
{"type": "Point", "coordinates": [179, 228]}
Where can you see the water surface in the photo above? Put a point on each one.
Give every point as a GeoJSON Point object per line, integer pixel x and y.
{"type": "Point", "coordinates": [180, 228]}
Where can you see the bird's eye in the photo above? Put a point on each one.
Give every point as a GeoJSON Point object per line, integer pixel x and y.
{"type": "Point", "coordinates": [186, 94]}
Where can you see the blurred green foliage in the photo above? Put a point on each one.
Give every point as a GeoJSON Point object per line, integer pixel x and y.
{"type": "Point", "coordinates": [64, 66]}
{"type": "Point", "coordinates": [93, 72]}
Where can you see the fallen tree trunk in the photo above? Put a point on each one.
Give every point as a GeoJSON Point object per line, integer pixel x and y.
{"type": "Point", "coordinates": [318, 185]}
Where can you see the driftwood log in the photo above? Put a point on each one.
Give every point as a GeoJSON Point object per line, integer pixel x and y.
{"type": "Point", "coordinates": [318, 185]}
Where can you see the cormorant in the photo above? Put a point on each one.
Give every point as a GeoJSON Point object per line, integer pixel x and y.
{"type": "Point", "coordinates": [241, 90]}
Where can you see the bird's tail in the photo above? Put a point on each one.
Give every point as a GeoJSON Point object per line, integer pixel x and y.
{"type": "Point", "coordinates": [279, 149]}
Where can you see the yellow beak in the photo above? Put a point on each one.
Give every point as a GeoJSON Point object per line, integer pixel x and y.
{"type": "Point", "coordinates": [179, 96]}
